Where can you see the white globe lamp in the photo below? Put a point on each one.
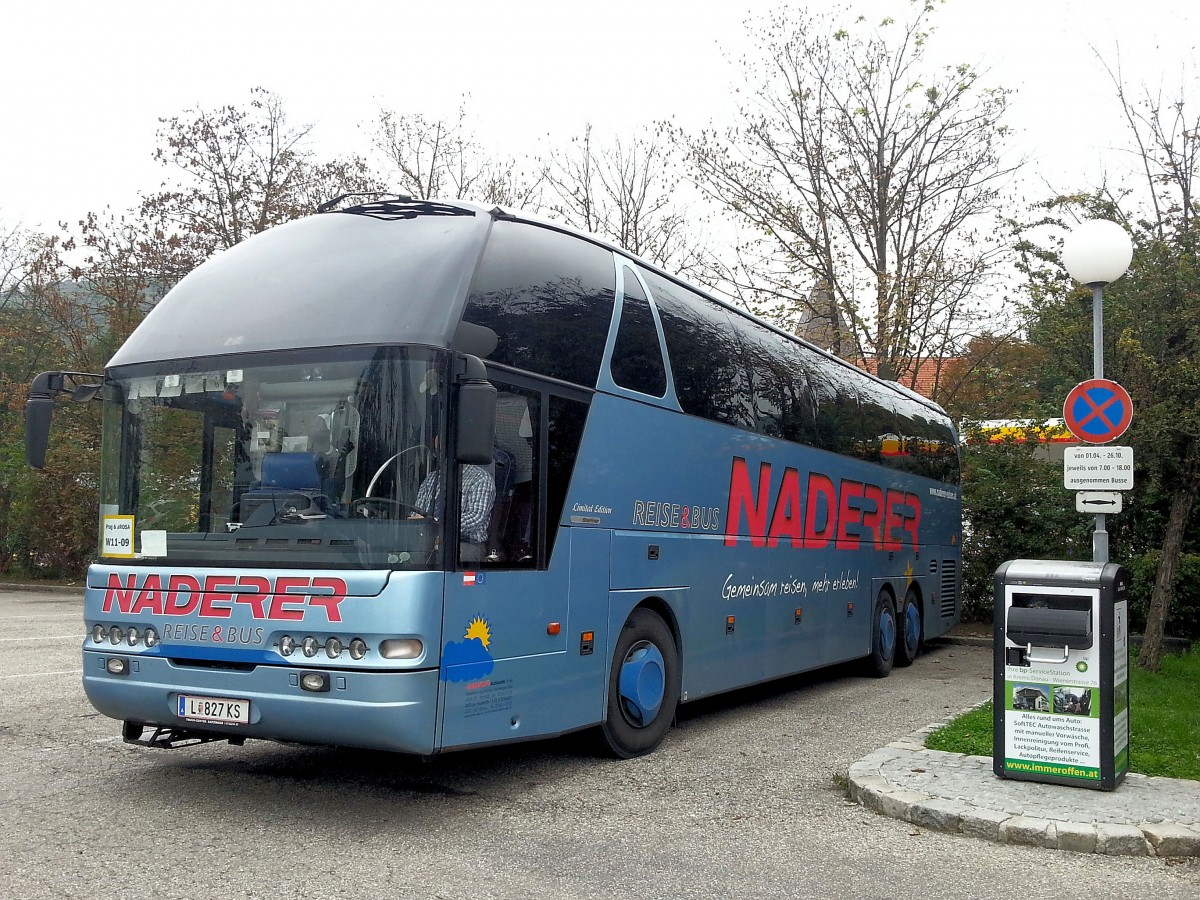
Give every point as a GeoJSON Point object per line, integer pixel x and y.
{"type": "Point", "coordinates": [1097, 252]}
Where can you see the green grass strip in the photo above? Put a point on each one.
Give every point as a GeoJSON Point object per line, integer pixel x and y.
{"type": "Point", "coordinates": [1164, 717]}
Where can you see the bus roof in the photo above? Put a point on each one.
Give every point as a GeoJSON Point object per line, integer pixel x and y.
{"type": "Point", "coordinates": [339, 279]}
{"type": "Point", "coordinates": [324, 280]}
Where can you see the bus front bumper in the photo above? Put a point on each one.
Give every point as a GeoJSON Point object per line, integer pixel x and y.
{"type": "Point", "coordinates": [394, 711]}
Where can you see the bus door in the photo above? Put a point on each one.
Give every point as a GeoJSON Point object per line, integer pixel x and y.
{"type": "Point", "coordinates": [522, 598]}
{"type": "Point", "coordinates": [524, 651]}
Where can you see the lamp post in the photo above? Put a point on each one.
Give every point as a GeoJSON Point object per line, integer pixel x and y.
{"type": "Point", "coordinates": [1096, 253]}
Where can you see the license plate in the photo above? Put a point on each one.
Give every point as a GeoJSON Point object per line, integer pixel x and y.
{"type": "Point", "coordinates": [214, 709]}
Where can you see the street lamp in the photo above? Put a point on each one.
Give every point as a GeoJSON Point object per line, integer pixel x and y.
{"type": "Point", "coordinates": [1097, 253]}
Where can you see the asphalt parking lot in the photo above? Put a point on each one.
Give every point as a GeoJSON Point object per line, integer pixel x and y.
{"type": "Point", "coordinates": [746, 798]}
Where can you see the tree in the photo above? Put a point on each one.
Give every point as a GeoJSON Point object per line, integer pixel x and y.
{"type": "Point", "coordinates": [998, 376]}
{"type": "Point", "coordinates": [1152, 330]}
{"type": "Point", "coordinates": [870, 181]}
{"type": "Point", "coordinates": [48, 517]}
{"type": "Point", "coordinates": [13, 247]}
{"type": "Point", "coordinates": [82, 291]}
{"type": "Point", "coordinates": [626, 191]}
{"type": "Point", "coordinates": [1014, 508]}
{"type": "Point", "coordinates": [14, 252]}
{"type": "Point", "coordinates": [242, 170]}
{"type": "Point", "coordinates": [439, 159]}
{"type": "Point", "coordinates": [1160, 343]}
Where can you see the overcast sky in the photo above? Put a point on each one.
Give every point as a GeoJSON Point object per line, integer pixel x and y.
{"type": "Point", "coordinates": [85, 82]}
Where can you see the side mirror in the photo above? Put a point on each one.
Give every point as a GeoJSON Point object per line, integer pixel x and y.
{"type": "Point", "coordinates": [38, 412]}
{"type": "Point", "coordinates": [39, 408]}
{"type": "Point", "coordinates": [475, 438]}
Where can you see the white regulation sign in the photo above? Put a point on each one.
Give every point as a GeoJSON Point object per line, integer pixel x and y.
{"type": "Point", "coordinates": [1101, 468]}
{"type": "Point", "coordinates": [1097, 502]}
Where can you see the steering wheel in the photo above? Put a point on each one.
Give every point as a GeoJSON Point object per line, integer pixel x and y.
{"type": "Point", "coordinates": [383, 508]}
{"type": "Point", "coordinates": [391, 459]}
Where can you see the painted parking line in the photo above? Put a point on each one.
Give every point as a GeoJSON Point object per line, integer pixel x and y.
{"type": "Point", "coordinates": [44, 674]}
{"type": "Point", "coordinates": [44, 637]}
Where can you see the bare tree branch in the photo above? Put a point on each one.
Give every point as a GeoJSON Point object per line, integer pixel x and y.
{"type": "Point", "coordinates": [863, 170]}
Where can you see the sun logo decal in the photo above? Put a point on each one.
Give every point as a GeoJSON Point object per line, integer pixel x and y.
{"type": "Point", "coordinates": [469, 659]}
{"type": "Point", "coordinates": [479, 629]}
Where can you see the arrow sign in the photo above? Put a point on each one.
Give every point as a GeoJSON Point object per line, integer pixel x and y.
{"type": "Point", "coordinates": [1098, 411]}
{"type": "Point", "coordinates": [1095, 502]}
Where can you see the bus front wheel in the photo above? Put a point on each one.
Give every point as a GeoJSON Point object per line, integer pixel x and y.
{"type": "Point", "coordinates": [643, 687]}
{"type": "Point", "coordinates": [883, 637]}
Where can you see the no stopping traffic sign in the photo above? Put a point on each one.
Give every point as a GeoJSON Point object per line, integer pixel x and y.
{"type": "Point", "coordinates": [1098, 411]}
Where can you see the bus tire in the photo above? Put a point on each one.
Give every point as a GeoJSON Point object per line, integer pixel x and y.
{"type": "Point", "coordinates": [643, 687]}
{"type": "Point", "coordinates": [883, 637]}
{"type": "Point", "coordinates": [908, 641]}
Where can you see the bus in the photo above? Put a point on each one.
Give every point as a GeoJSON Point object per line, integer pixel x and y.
{"type": "Point", "coordinates": [421, 476]}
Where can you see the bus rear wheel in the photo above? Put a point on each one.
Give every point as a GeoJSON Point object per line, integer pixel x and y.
{"type": "Point", "coordinates": [643, 687]}
{"type": "Point", "coordinates": [908, 644]}
{"type": "Point", "coordinates": [883, 637]}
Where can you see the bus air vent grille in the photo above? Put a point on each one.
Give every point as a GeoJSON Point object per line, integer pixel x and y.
{"type": "Point", "coordinates": [949, 592]}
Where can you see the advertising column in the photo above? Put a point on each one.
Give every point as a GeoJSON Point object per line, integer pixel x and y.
{"type": "Point", "coordinates": [1062, 673]}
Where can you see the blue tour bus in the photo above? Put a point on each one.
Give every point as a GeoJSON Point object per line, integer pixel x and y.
{"type": "Point", "coordinates": [421, 476]}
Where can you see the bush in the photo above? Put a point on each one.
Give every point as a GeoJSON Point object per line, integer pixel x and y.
{"type": "Point", "coordinates": [51, 516]}
{"type": "Point", "coordinates": [1184, 619]}
{"type": "Point", "coordinates": [1014, 507]}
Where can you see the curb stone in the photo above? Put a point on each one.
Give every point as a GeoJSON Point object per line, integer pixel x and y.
{"type": "Point", "coordinates": [1172, 840]}
{"type": "Point", "coordinates": [868, 786]}
{"type": "Point", "coordinates": [62, 589]}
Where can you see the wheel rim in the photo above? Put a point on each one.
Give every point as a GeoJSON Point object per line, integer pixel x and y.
{"type": "Point", "coordinates": [887, 633]}
{"type": "Point", "coordinates": [912, 627]}
{"type": "Point", "coordinates": [642, 684]}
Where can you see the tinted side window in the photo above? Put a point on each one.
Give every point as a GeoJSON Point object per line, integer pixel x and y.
{"type": "Point", "coordinates": [782, 400]}
{"type": "Point", "coordinates": [549, 299]}
{"type": "Point", "coordinates": [837, 418]}
{"type": "Point", "coordinates": [929, 442]}
{"type": "Point", "coordinates": [637, 362]}
{"type": "Point", "coordinates": [880, 438]}
{"type": "Point", "coordinates": [706, 356]}
{"type": "Point", "coordinates": [512, 537]}
{"type": "Point", "coordinates": [565, 431]}
{"type": "Point", "coordinates": [731, 369]}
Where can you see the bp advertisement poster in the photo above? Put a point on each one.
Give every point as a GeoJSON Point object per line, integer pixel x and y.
{"type": "Point", "coordinates": [1052, 714]}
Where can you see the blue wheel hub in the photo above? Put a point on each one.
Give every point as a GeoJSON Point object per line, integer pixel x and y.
{"type": "Point", "coordinates": [887, 632]}
{"type": "Point", "coordinates": [642, 683]}
{"type": "Point", "coordinates": [912, 627]}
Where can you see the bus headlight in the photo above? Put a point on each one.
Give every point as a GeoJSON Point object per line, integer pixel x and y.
{"type": "Point", "coordinates": [132, 637]}
{"type": "Point", "coordinates": [358, 648]}
{"type": "Point", "coordinates": [287, 645]}
{"type": "Point", "coordinates": [151, 638]}
{"type": "Point", "coordinates": [98, 633]}
{"type": "Point", "coordinates": [333, 648]}
{"type": "Point", "coordinates": [310, 646]}
{"type": "Point", "coordinates": [115, 635]}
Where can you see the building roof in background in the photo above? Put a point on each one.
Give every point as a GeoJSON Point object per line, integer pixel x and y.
{"type": "Point", "coordinates": [922, 375]}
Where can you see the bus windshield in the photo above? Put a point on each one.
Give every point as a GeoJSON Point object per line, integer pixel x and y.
{"type": "Point", "coordinates": [313, 458]}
